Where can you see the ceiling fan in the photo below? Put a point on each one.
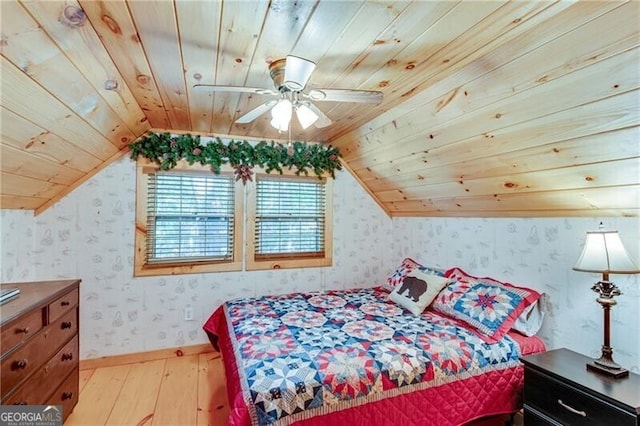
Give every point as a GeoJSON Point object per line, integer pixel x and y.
{"type": "Point", "coordinates": [290, 76]}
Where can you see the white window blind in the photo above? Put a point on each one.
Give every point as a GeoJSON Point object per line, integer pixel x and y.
{"type": "Point", "coordinates": [190, 218]}
{"type": "Point", "coordinates": [290, 218]}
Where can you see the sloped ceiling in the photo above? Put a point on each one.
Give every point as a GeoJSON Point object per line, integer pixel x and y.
{"type": "Point", "coordinates": [490, 108]}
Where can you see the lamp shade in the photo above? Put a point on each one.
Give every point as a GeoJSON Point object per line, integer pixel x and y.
{"type": "Point", "coordinates": [604, 252]}
{"type": "Point", "coordinates": [281, 114]}
{"type": "Point", "coordinates": [306, 117]}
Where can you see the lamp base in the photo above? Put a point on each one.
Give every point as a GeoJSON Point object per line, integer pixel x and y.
{"type": "Point", "coordinates": [605, 364]}
{"type": "Point", "coordinates": [611, 372]}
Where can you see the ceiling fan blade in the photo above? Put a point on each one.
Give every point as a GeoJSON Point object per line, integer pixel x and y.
{"type": "Point", "coordinates": [256, 112]}
{"type": "Point", "coordinates": [323, 120]}
{"type": "Point", "coordinates": [297, 72]}
{"type": "Point", "coordinates": [234, 89]}
{"type": "Point", "coordinates": [345, 95]}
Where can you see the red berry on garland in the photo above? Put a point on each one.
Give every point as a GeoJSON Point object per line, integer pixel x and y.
{"type": "Point", "coordinates": [197, 151]}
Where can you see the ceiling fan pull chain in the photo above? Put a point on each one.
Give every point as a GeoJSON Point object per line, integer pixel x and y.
{"type": "Point", "coordinates": [290, 145]}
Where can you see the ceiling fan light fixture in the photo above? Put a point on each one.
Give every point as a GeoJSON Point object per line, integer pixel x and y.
{"type": "Point", "coordinates": [281, 115]}
{"type": "Point", "coordinates": [297, 72]}
{"type": "Point", "coordinates": [305, 115]}
{"type": "Point", "coordinates": [279, 126]}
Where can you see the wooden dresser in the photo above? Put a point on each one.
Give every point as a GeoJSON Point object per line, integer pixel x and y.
{"type": "Point", "coordinates": [39, 362]}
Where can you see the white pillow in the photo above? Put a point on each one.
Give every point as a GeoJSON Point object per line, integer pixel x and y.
{"type": "Point", "coordinates": [417, 290]}
{"type": "Point", "coordinates": [530, 320]}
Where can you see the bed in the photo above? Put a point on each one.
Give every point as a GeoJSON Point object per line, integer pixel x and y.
{"type": "Point", "coordinates": [358, 357]}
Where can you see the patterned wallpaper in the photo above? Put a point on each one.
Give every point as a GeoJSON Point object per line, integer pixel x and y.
{"type": "Point", "coordinates": [538, 253]}
{"type": "Point", "coordinates": [89, 234]}
{"type": "Point", "coordinates": [17, 229]}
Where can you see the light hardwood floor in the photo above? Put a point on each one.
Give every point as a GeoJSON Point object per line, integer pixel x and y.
{"type": "Point", "coordinates": [186, 390]}
{"type": "Point", "coordinates": [178, 391]}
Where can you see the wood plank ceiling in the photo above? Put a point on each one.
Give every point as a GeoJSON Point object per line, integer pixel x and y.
{"type": "Point", "coordinates": [491, 109]}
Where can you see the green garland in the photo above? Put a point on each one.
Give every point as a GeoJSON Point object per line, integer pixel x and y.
{"type": "Point", "coordinates": [166, 150]}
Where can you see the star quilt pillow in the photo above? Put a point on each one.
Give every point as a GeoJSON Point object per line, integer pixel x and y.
{"type": "Point", "coordinates": [417, 290]}
{"type": "Point", "coordinates": [489, 306]}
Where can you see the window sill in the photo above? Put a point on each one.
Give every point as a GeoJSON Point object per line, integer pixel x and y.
{"type": "Point", "coordinates": [253, 265]}
{"type": "Point", "coordinates": [190, 268]}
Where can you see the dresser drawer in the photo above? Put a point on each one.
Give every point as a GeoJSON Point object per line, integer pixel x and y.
{"type": "Point", "coordinates": [67, 394]}
{"type": "Point", "coordinates": [39, 386]}
{"type": "Point", "coordinates": [35, 352]}
{"type": "Point", "coordinates": [570, 405]}
{"type": "Point", "coordinates": [62, 305]}
{"type": "Point", "coordinates": [21, 329]}
{"type": "Point", "coordinates": [534, 418]}
{"type": "Point", "coordinates": [64, 328]}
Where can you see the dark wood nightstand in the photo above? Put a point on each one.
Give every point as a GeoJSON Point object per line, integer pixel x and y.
{"type": "Point", "coordinates": [559, 390]}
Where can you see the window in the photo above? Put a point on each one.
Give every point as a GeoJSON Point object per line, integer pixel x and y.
{"type": "Point", "coordinates": [190, 223]}
{"type": "Point", "coordinates": [288, 225]}
{"type": "Point", "coordinates": [190, 220]}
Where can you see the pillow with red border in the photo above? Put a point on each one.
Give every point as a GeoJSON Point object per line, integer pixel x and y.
{"type": "Point", "coordinates": [408, 265]}
{"type": "Point", "coordinates": [490, 307]}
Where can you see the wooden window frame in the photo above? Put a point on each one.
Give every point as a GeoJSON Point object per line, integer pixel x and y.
{"type": "Point", "coordinates": [295, 260]}
{"type": "Point", "coordinates": [141, 268]}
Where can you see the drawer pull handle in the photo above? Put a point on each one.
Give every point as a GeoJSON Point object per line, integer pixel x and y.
{"type": "Point", "coordinates": [24, 330]}
{"type": "Point", "coordinates": [21, 403]}
{"type": "Point", "coordinates": [67, 395]}
{"type": "Point", "coordinates": [20, 365]}
{"type": "Point", "coordinates": [573, 410]}
{"type": "Point", "coordinates": [67, 357]}
{"type": "Point", "coordinates": [66, 324]}
{"type": "Point", "coordinates": [64, 303]}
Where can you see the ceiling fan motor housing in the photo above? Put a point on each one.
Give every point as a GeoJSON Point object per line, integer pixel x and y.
{"type": "Point", "coordinates": [276, 71]}
{"type": "Point", "coordinates": [291, 74]}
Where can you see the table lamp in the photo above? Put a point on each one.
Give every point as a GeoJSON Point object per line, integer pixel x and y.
{"type": "Point", "coordinates": [604, 253]}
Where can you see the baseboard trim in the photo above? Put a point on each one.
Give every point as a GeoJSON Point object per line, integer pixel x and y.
{"type": "Point", "coordinates": [111, 361]}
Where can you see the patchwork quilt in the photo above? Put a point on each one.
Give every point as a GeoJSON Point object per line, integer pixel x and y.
{"type": "Point", "coordinates": [300, 356]}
